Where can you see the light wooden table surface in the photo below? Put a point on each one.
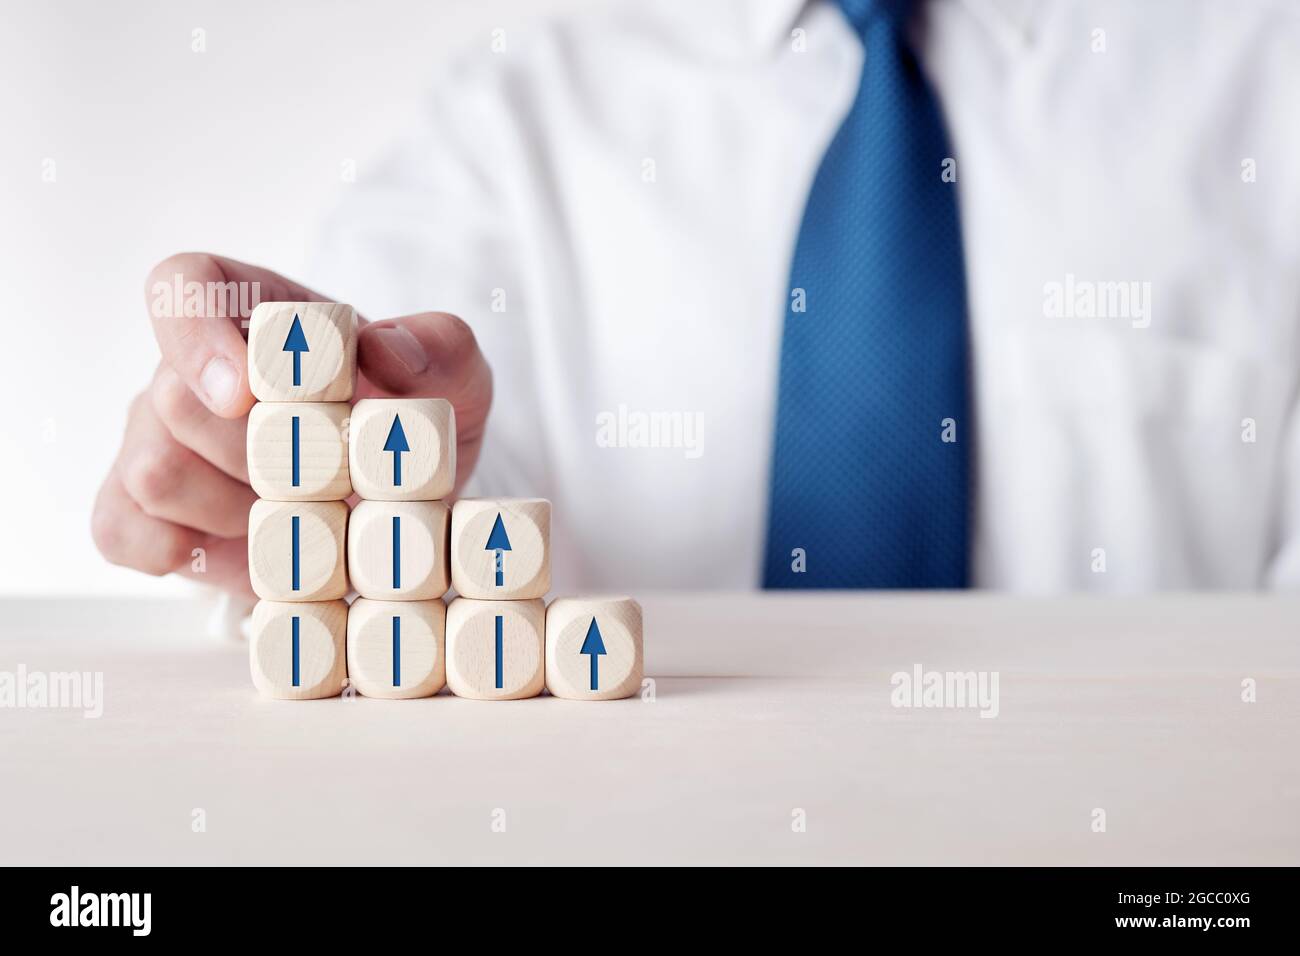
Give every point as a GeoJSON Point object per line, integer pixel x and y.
{"type": "Point", "coordinates": [763, 704]}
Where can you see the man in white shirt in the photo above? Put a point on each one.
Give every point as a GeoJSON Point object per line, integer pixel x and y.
{"type": "Point", "coordinates": [613, 203]}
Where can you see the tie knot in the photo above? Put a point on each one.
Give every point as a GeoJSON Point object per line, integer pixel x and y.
{"type": "Point", "coordinates": [862, 13]}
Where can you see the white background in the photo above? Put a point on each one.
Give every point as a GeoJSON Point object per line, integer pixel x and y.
{"type": "Point", "coordinates": [159, 149]}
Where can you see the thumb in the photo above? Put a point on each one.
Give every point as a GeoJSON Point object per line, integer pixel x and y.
{"type": "Point", "coordinates": [430, 355]}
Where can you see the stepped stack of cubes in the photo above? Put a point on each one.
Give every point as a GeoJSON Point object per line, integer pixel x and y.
{"type": "Point", "coordinates": [400, 547]}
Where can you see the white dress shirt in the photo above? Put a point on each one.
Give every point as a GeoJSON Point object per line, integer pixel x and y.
{"type": "Point", "coordinates": [612, 201]}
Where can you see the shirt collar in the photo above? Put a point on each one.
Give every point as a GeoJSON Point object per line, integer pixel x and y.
{"type": "Point", "coordinates": [747, 28]}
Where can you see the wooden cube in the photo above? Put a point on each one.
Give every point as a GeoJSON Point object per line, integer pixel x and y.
{"type": "Point", "coordinates": [298, 651]}
{"type": "Point", "coordinates": [403, 449]}
{"type": "Point", "coordinates": [295, 550]}
{"type": "Point", "coordinates": [398, 550]}
{"type": "Point", "coordinates": [302, 352]}
{"type": "Point", "coordinates": [496, 649]}
{"type": "Point", "coordinates": [501, 548]}
{"type": "Point", "coordinates": [298, 451]}
{"type": "Point", "coordinates": [593, 648]}
{"type": "Point", "coordinates": [395, 648]}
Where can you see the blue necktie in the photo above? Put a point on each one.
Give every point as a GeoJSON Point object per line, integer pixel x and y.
{"type": "Point", "coordinates": [870, 462]}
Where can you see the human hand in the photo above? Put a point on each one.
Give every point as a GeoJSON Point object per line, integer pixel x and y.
{"type": "Point", "coordinates": [180, 480]}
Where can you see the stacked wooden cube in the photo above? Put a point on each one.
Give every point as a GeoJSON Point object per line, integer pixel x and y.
{"type": "Point", "coordinates": [401, 546]}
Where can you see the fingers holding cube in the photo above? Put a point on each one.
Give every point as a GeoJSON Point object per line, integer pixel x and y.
{"type": "Point", "coordinates": [302, 352]}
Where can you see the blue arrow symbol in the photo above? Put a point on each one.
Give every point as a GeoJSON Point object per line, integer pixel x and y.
{"type": "Point", "coordinates": [499, 541]}
{"type": "Point", "coordinates": [296, 343]}
{"type": "Point", "coordinates": [397, 552]}
{"type": "Point", "coordinates": [297, 584]}
{"type": "Point", "coordinates": [396, 443]}
{"type": "Point", "coordinates": [594, 646]}
{"type": "Point", "coordinates": [397, 651]}
{"type": "Point", "coordinates": [295, 651]}
{"type": "Point", "coordinates": [297, 452]}
{"type": "Point", "coordinates": [499, 623]}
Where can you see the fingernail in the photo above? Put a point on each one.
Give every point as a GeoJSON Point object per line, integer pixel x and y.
{"type": "Point", "coordinates": [219, 382]}
{"type": "Point", "coordinates": [405, 347]}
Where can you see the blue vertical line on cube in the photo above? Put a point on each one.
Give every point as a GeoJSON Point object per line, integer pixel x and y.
{"type": "Point", "coordinates": [499, 542]}
{"type": "Point", "coordinates": [397, 552]}
{"type": "Point", "coordinates": [500, 622]}
{"type": "Point", "coordinates": [296, 342]}
{"type": "Point", "coordinates": [594, 646]}
{"type": "Point", "coordinates": [295, 535]}
{"type": "Point", "coordinates": [396, 443]}
{"type": "Point", "coordinates": [295, 649]}
{"type": "Point", "coordinates": [397, 650]}
{"type": "Point", "coordinates": [296, 452]}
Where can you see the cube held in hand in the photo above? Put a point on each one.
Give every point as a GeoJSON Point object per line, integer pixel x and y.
{"type": "Point", "coordinates": [302, 352]}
